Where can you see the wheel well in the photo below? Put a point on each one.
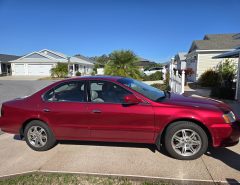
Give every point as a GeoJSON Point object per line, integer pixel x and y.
{"type": "Point", "coordinates": [25, 124]}
{"type": "Point", "coordinates": [161, 136]}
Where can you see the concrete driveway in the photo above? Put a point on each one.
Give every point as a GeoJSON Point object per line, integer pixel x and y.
{"type": "Point", "coordinates": [132, 160]}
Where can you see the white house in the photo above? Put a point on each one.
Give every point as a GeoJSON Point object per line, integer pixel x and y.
{"type": "Point", "coordinates": [180, 60]}
{"type": "Point", "coordinates": [39, 63]}
{"type": "Point", "coordinates": [201, 55]}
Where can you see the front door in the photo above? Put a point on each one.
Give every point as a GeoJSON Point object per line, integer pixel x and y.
{"type": "Point", "coordinates": [110, 120]}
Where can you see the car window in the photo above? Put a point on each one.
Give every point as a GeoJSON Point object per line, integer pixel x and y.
{"type": "Point", "coordinates": [107, 92]}
{"type": "Point", "coordinates": [144, 89]}
{"type": "Point", "coordinates": [71, 91]}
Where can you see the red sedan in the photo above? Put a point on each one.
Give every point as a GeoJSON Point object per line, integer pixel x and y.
{"type": "Point", "coordinates": [118, 109]}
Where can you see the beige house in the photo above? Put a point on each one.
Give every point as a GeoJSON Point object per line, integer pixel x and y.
{"type": "Point", "coordinates": [201, 55]}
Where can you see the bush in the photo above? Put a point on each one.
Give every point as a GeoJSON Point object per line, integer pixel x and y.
{"type": "Point", "coordinates": [223, 93]}
{"type": "Point", "coordinates": [60, 71]}
{"type": "Point", "coordinates": [78, 73]}
{"type": "Point", "coordinates": [163, 87]}
{"type": "Point", "coordinates": [155, 76]}
{"type": "Point", "coordinates": [209, 78]}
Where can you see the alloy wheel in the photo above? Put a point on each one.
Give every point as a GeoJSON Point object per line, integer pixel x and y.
{"type": "Point", "coordinates": [186, 142]}
{"type": "Point", "coordinates": [37, 136]}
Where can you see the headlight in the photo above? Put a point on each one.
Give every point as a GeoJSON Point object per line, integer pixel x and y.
{"type": "Point", "coordinates": [229, 117]}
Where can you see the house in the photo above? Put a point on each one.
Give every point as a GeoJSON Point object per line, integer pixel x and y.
{"type": "Point", "coordinates": [180, 60]}
{"type": "Point", "coordinates": [200, 56]}
{"type": "Point", "coordinates": [39, 63]}
{"type": "Point", "coordinates": [143, 63]}
{"type": "Point", "coordinates": [5, 67]}
{"type": "Point", "coordinates": [234, 54]}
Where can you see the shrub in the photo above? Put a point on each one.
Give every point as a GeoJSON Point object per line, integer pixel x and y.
{"type": "Point", "coordinates": [222, 93]}
{"type": "Point", "coordinates": [60, 71]}
{"type": "Point", "coordinates": [155, 76]}
{"type": "Point", "coordinates": [78, 73]}
{"type": "Point", "coordinates": [209, 78]}
{"type": "Point", "coordinates": [227, 72]}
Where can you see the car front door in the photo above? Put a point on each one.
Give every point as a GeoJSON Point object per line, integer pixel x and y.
{"type": "Point", "coordinates": [65, 109]}
{"type": "Point", "coordinates": [110, 120]}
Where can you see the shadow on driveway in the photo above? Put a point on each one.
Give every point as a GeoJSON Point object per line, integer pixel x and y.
{"type": "Point", "coordinates": [151, 147]}
{"type": "Point", "coordinates": [229, 157]}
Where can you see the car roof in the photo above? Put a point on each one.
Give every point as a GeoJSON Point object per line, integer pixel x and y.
{"type": "Point", "coordinates": [110, 78]}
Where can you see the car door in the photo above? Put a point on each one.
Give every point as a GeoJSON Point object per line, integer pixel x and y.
{"type": "Point", "coordinates": [110, 120]}
{"type": "Point", "coordinates": [65, 108]}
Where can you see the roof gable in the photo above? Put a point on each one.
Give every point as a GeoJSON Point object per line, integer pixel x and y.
{"type": "Point", "coordinates": [35, 55]}
{"type": "Point", "coordinates": [53, 54]}
{"type": "Point", "coordinates": [215, 42]}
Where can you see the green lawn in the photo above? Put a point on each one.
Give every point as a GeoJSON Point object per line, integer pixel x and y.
{"type": "Point", "coordinates": [71, 179]}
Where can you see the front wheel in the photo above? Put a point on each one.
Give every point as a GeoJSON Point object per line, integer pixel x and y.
{"type": "Point", "coordinates": [185, 140]}
{"type": "Point", "coordinates": [39, 136]}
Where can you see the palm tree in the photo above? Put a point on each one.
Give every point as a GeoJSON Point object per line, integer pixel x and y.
{"type": "Point", "coordinates": [122, 63]}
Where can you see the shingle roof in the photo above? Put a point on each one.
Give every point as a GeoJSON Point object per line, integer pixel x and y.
{"type": "Point", "coordinates": [216, 42]}
{"type": "Point", "coordinates": [85, 58]}
{"type": "Point", "coordinates": [6, 58]}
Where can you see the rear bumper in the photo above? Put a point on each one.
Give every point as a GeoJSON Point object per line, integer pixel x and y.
{"type": "Point", "coordinates": [8, 126]}
{"type": "Point", "coordinates": [226, 134]}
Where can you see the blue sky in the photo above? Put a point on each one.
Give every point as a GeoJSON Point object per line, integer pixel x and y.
{"type": "Point", "coordinates": [153, 29]}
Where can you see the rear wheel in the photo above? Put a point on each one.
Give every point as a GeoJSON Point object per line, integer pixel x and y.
{"type": "Point", "coordinates": [185, 140]}
{"type": "Point", "coordinates": [39, 136]}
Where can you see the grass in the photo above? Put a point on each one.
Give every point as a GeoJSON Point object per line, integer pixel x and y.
{"type": "Point", "coordinates": [71, 179]}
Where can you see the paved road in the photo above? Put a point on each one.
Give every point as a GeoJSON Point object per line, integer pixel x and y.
{"type": "Point", "coordinates": [107, 158]}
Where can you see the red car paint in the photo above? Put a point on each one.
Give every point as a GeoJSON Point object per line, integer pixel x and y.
{"type": "Point", "coordinates": [143, 122]}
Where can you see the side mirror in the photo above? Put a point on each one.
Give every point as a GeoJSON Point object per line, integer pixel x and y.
{"type": "Point", "coordinates": [131, 100]}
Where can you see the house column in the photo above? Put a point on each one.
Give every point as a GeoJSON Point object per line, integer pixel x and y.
{"type": "Point", "coordinates": [237, 94]}
{"type": "Point", "coordinates": [74, 73]}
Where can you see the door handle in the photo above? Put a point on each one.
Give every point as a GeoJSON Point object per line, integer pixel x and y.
{"type": "Point", "coordinates": [46, 110]}
{"type": "Point", "coordinates": [96, 111]}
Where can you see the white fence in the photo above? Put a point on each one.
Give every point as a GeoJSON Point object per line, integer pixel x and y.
{"type": "Point", "coordinates": [177, 81]}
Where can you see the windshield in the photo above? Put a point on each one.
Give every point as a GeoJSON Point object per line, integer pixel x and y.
{"type": "Point", "coordinates": [150, 92]}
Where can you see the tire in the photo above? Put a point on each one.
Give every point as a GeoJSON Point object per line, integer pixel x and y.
{"type": "Point", "coordinates": [180, 146]}
{"type": "Point", "coordinates": [39, 136]}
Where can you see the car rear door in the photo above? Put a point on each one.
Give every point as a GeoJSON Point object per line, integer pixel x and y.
{"type": "Point", "coordinates": [110, 120]}
{"type": "Point", "coordinates": [65, 109]}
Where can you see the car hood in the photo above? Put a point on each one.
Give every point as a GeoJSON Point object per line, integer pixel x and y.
{"type": "Point", "coordinates": [201, 102]}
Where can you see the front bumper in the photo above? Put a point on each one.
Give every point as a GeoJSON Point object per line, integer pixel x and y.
{"type": "Point", "coordinates": [225, 134]}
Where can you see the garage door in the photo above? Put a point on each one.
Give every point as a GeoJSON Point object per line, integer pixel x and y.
{"type": "Point", "coordinates": [19, 69]}
{"type": "Point", "coordinates": [39, 69]}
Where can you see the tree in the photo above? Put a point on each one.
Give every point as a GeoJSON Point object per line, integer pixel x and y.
{"type": "Point", "coordinates": [122, 63]}
{"type": "Point", "coordinates": [60, 71]}
{"type": "Point", "coordinates": [227, 72]}
{"type": "Point", "coordinates": [102, 60]}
